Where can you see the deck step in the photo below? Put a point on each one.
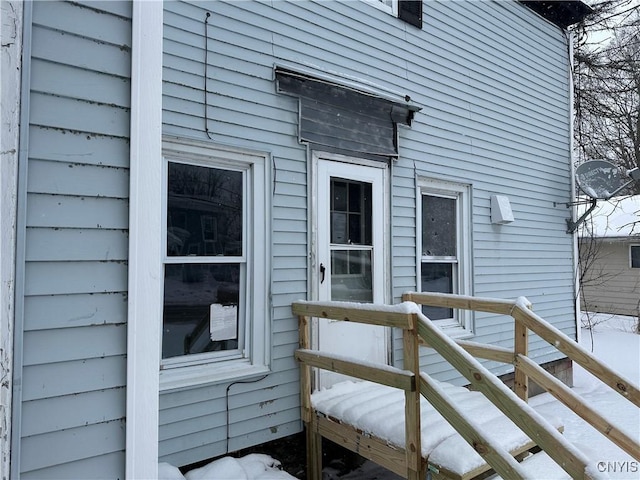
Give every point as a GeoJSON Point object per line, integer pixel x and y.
{"type": "Point", "coordinates": [540, 465]}
{"type": "Point", "coordinates": [376, 412]}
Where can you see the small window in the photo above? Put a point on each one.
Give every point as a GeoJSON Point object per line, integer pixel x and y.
{"type": "Point", "coordinates": [389, 6]}
{"type": "Point", "coordinates": [214, 265]}
{"type": "Point", "coordinates": [634, 253]}
{"type": "Point", "coordinates": [444, 219]}
{"type": "Point", "coordinates": [409, 11]}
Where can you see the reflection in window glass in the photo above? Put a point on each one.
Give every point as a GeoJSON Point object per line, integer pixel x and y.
{"type": "Point", "coordinates": [351, 276]}
{"type": "Point", "coordinates": [201, 303]}
{"type": "Point", "coordinates": [204, 215]}
{"type": "Point", "coordinates": [350, 212]}
{"type": "Point", "coordinates": [438, 226]}
{"type": "Point", "coordinates": [437, 277]}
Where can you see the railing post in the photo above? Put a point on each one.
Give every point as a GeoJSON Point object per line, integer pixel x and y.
{"type": "Point", "coordinates": [520, 347]}
{"type": "Point", "coordinates": [314, 441]}
{"type": "Point", "coordinates": [413, 450]}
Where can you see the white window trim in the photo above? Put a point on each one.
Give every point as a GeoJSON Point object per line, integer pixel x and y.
{"type": "Point", "coordinates": [461, 326]}
{"type": "Point", "coordinates": [258, 333]}
{"type": "Point", "coordinates": [391, 10]}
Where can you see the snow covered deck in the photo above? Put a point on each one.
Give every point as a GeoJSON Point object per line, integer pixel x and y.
{"type": "Point", "coordinates": [393, 421]}
{"type": "Point", "coordinates": [377, 412]}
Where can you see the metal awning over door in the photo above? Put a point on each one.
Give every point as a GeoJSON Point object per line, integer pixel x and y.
{"type": "Point", "coordinates": [343, 119]}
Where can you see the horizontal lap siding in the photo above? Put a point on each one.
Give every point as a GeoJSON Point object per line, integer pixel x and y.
{"type": "Point", "coordinates": [75, 305]}
{"type": "Point", "coordinates": [243, 111]}
{"type": "Point", "coordinates": [611, 285]}
{"type": "Point", "coordinates": [492, 80]}
{"type": "Point", "coordinates": [496, 117]}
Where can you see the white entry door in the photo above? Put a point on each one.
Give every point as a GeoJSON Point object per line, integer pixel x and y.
{"type": "Point", "coordinates": [350, 261]}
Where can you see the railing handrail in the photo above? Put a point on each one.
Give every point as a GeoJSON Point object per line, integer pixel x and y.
{"type": "Point", "coordinates": [567, 456]}
{"type": "Point", "coordinates": [520, 310]}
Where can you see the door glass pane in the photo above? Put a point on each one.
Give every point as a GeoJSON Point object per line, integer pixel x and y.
{"type": "Point", "coordinates": [438, 226]}
{"type": "Point", "coordinates": [201, 304]}
{"type": "Point", "coordinates": [351, 276]}
{"type": "Point", "coordinates": [351, 212]}
{"type": "Point", "coordinates": [204, 215]}
{"type": "Point", "coordinates": [437, 277]}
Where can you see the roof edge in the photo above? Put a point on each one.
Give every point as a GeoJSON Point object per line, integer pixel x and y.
{"type": "Point", "coordinates": [560, 13]}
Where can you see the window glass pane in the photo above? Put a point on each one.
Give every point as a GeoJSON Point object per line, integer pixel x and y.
{"type": "Point", "coordinates": [201, 304]}
{"type": "Point", "coordinates": [635, 256]}
{"type": "Point", "coordinates": [204, 214]}
{"type": "Point", "coordinates": [339, 195]}
{"type": "Point", "coordinates": [438, 226]}
{"type": "Point", "coordinates": [437, 277]}
{"type": "Point", "coordinates": [351, 276]}
{"type": "Point", "coordinates": [351, 212]}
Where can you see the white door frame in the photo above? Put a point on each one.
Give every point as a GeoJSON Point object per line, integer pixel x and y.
{"type": "Point", "coordinates": [314, 260]}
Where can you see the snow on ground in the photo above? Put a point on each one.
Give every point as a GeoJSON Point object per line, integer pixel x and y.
{"type": "Point", "coordinates": [613, 343]}
{"type": "Point", "coordinates": [251, 467]}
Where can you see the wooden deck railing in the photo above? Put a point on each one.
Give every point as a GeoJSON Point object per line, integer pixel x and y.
{"type": "Point", "coordinates": [525, 368]}
{"type": "Point", "coordinates": [419, 329]}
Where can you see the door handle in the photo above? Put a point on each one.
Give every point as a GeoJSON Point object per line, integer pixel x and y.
{"type": "Point", "coordinates": [322, 272]}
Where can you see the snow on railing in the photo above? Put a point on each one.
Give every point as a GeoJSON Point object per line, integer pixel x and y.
{"type": "Point", "coordinates": [525, 368]}
{"type": "Point", "coordinates": [420, 330]}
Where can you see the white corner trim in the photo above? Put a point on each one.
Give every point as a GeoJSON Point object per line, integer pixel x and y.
{"type": "Point", "coordinates": [145, 228]}
{"type": "Point", "coordinates": [11, 67]}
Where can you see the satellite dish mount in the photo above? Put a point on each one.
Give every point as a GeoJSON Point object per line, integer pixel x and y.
{"type": "Point", "coordinates": [600, 180]}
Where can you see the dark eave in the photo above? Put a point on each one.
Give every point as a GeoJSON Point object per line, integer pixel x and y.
{"type": "Point", "coordinates": [561, 13]}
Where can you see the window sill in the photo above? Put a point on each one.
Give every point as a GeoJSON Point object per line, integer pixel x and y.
{"type": "Point", "coordinates": [174, 379]}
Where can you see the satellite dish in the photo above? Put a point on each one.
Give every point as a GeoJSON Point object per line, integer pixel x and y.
{"type": "Point", "coordinates": [600, 179]}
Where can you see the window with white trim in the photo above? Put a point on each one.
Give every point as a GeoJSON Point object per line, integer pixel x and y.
{"type": "Point", "coordinates": [444, 249]}
{"type": "Point", "coordinates": [215, 265]}
{"type": "Point", "coordinates": [389, 6]}
{"type": "Point", "coordinates": [634, 256]}
{"type": "Point", "coordinates": [409, 11]}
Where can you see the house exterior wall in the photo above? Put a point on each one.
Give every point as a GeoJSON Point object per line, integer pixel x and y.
{"type": "Point", "coordinates": [493, 80]}
{"type": "Point", "coordinates": [70, 385]}
{"type": "Point", "coordinates": [610, 284]}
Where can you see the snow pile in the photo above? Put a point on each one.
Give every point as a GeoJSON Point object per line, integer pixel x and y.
{"type": "Point", "coordinates": [252, 467]}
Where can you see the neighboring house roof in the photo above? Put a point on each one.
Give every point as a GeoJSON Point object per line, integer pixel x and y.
{"type": "Point", "coordinates": [561, 13]}
{"type": "Point", "coordinates": [617, 218]}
